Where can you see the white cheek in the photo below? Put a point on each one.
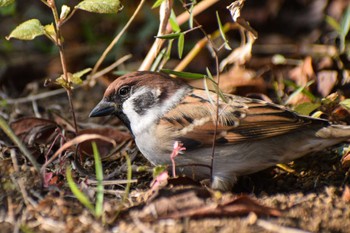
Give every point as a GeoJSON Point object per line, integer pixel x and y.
{"type": "Point", "coordinates": [139, 122]}
{"type": "Point", "coordinates": [142, 123]}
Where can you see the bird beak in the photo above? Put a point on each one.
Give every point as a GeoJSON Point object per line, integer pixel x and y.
{"type": "Point", "coordinates": [103, 108]}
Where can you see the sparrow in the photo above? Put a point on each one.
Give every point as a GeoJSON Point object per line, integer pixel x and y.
{"type": "Point", "coordinates": [251, 135]}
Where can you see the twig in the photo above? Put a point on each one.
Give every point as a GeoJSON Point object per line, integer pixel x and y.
{"type": "Point", "coordinates": [116, 39]}
{"type": "Point", "coordinates": [35, 97]}
{"type": "Point", "coordinates": [36, 109]}
{"type": "Point", "coordinates": [52, 5]}
{"type": "Point", "coordinates": [199, 8]}
{"type": "Point", "coordinates": [110, 67]}
{"type": "Point", "coordinates": [111, 182]}
{"type": "Point", "coordinates": [217, 113]}
{"type": "Point", "coordinates": [164, 15]}
{"type": "Point", "coordinates": [19, 181]}
{"type": "Point", "coordinates": [59, 43]}
{"type": "Point", "coordinates": [199, 46]}
{"type": "Point", "coordinates": [152, 54]}
{"type": "Point", "coordinates": [70, 100]}
{"type": "Point", "coordinates": [215, 54]}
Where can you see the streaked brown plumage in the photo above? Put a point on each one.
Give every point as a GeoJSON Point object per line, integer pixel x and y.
{"type": "Point", "coordinates": [251, 134]}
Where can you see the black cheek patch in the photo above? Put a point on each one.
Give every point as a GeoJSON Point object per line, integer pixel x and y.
{"type": "Point", "coordinates": [143, 102]}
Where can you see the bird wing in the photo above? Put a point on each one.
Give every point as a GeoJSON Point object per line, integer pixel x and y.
{"type": "Point", "coordinates": [240, 119]}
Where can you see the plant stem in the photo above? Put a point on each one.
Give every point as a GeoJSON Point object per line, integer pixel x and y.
{"type": "Point", "coordinates": [217, 113]}
{"type": "Point", "coordinates": [158, 43]}
{"type": "Point", "coordinates": [70, 99]}
{"type": "Point", "coordinates": [59, 40]}
{"type": "Point", "coordinates": [59, 44]}
{"type": "Point", "coordinates": [116, 39]}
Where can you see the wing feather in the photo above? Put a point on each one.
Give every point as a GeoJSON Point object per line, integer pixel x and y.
{"type": "Point", "coordinates": [240, 119]}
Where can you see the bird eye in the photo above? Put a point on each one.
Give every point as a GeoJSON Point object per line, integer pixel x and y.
{"type": "Point", "coordinates": [124, 91]}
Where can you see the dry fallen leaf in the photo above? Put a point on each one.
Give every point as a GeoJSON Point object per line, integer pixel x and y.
{"type": "Point", "coordinates": [301, 75]}
{"type": "Point", "coordinates": [345, 161]}
{"type": "Point", "coordinates": [198, 202]}
{"type": "Point", "coordinates": [346, 194]}
{"type": "Point", "coordinates": [36, 130]}
{"type": "Point", "coordinates": [325, 81]}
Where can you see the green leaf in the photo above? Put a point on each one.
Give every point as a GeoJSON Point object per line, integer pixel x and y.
{"type": "Point", "coordinates": [169, 36]}
{"type": "Point", "coordinates": [345, 104]}
{"type": "Point", "coordinates": [216, 86]}
{"type": "Point", "coordinates": [194, 2]}
{"type": "Point", "coordinates": [100, 6]}
{"type": "Point", "coordinates": [157, 170]}
{"type": "Point", "coordinates": [8, 10]}
{"type": "Point", "coordinates": [345, 22]}
{"type": "Point", "coordinates": [6, 2]}
{"type": "Point", "coordinates": [180, 45]}
{"type": "Point", "coordinates": [50, 31]}
{"type": "Point", "coordinates": [162, 56]}
{"type": "Point", "coordinates": [76, 78]}
{"type": "Point", "coordinates": [300, 89]}
{"type": "Point", "coordinates": [77, 193]}
{"type": "Point", "coordinates": [184, 74]}
{"type": "Point", "coordinates": [62, 81]}
{"type": "Point", "coordinates": [333, 23]}
{"type": "Point", "coordinates": [157, 3]}
{"type": "Point", "coordinates": [222, 33]}
{"type": "Point", "coordinates": [99, 178]}
{"type": "Point", "coordinates": [173, 22]}
{"type": "Point", "coordinates": [27, 30]}
{"type": "Point", "coordinates": [306, 108]}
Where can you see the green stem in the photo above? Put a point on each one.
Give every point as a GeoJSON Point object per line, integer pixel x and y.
{"type": "Point", "coordinates": [8, 131]}
{"type": "Point", "coordinates": [59, 43]}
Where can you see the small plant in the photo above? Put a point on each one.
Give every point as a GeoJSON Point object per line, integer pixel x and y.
{"type": "Point", "coordinates": [33, 28]}
{"type": "Point", "coordinates": [96, 210]}
{"type": "Point", "coordinates": [342, 28]}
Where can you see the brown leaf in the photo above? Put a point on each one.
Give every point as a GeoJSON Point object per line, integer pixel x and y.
{"type": "Point", "coordinates": [340, 114]}
{"type": "Point", "coordinates": [194, 202]}
{"type": "Point", "coordinates": [236, 206]}
{"type": "Point", "coordinates": [345, 160]}
{"type": "Point", "coordinates": [301, 75]}
{"type": "Point", "coordinates": [346, 194]}
{"type": "Point", "coordinates": [325, 81]}
{"type": "Point", "coordinates": [36, 130]}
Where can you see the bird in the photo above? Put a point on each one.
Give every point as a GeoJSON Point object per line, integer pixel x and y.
{"type": "Point", "coordinates": [250, 134]}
